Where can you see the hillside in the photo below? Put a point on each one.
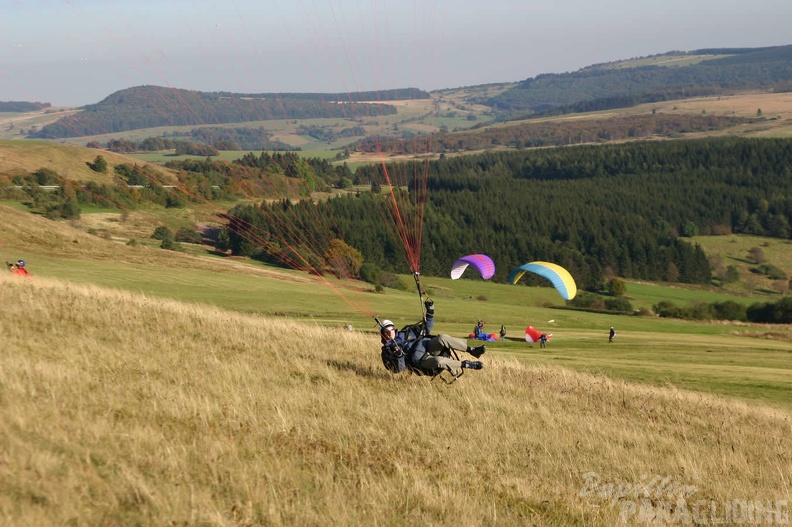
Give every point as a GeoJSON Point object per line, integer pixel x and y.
{"type": "Point", "coordinates": [20, 158]}
{"type": "Point", "coordinates": [120, 408]}
{"type": "Point", "coordinates": [672, 95]}
{"type": "Point", "coordinates": [636, 82]}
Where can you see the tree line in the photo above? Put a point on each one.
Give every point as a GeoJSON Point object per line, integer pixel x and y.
{"type": "Point", "coordinates": [605, 210]}
{"type": "Point", "coordinates": [600, 211]}
{"type": "Point", "coordinates": [542, 134]}
{"type": "Point", "coordinates": [199, 141]}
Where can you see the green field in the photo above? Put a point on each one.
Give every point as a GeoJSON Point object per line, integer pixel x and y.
{"type": "Point", "coordinates": [748, 362]}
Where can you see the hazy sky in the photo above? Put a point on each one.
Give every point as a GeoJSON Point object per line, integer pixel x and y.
{"type": "Point", "coordinates": [75, 52]}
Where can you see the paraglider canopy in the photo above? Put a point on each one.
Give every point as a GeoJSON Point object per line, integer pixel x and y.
{"type": "Point", "coordinates": [481, 262]}
{"type": "Point", "coordinates": [558, 276]}
{"type": "Point", "coordinates": [534, 335]}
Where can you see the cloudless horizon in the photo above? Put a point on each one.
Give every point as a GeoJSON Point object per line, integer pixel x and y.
{"type": "Point", "coordinates": [77, 52]}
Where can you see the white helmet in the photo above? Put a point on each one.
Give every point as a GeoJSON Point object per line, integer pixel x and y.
{"type": "Point", "coordinates": [386, 324]}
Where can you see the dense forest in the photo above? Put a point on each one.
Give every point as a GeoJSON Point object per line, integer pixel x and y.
{"type": "Point", "coordinates": [762, 67]}
{"type": "Point", "coordinates": [153, 106]}
{"type": "Point", "coordinates": [596, 210]}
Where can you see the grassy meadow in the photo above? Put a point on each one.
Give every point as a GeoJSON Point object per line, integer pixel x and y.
{"type": "Point", "coordinates": [148, 387]}
{"type": "Point", "coordinates": [126, 409]}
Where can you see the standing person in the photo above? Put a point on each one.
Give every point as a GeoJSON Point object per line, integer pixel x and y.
{"type": "Point", "coordinates": [478, 331]}
{"type": "Point", "coordinates": [502, 332]}
{"type": "Point", "coordinates": [543, 340]}
{"type": "Point", "coordinates": [611, 335]}
{"type": "Point", "coordinates": [423, 353]}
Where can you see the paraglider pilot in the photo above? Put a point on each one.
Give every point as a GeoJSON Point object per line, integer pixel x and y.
{"type": "Point", "coordinates": [611, 335]}
{"type": "Point", "coordinates": [423, 353]}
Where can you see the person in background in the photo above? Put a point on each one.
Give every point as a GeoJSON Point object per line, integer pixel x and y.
{"type": "Point", "coordinates": [611, 335]}
{"type": "Point", "coordinates": [18, 268]}
{"type": "Point", "coordinates": [478, 331]}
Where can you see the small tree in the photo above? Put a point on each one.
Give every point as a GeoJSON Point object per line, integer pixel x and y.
{"type": "Point", "coordinates": [756, 255]}
{"type": "Point", "coordinates": [223, 240]}
{"type": "Point", "coordinates": [732, 275]}
{"type": "Point", "coordinates": [99, 165]}
{"type": "Point", "coordinates": [688, 229]}
{"type": "Point", "coordinates": [162, 233]}
{"type": "Point", "coordinates": [344, 259]}
{"type": "Point", "coordinates": [617, 287]}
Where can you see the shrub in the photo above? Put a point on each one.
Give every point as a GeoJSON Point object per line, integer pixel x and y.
{"type": "Point", "coordinates": [392, 281]}
{"type": "Point", "coordinates": [162, 233]}
{"type": "Point", "coordinates": [369, 272]}
{"type": "Point", "coordinates": [617, 287]}
{"type": "Point", "coordinates": [620, 304]}
{"type": "Point", "coordinates": [585, 300]}
{"type": "Point", "coordinates": [667, 309]}
{"type": "Point", "coordinates": [189, 235]}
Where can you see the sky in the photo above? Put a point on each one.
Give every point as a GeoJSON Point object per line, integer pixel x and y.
{"type": "Point", "coordinates": [77, 52]}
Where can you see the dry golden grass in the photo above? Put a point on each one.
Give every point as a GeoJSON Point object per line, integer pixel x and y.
{"type": "Point", "coordinates": [29, 234]}
{"type": "Point", "coordinates": [118, 409]}
{"type": "Point", "coordinates": [24, 157]}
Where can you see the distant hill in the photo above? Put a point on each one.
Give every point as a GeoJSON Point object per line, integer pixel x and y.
{"type": "Point", "coordinates": [22, 106]}
{"type": "Point", "coordinates": [671, 76]}
{"type": "Point", "coordinates": [153, 106]}
{"type": "Point", "coordinates": [618, 86]}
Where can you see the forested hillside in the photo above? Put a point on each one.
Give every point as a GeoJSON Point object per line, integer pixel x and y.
{"type": "Point", "coordinates": [588, 208]}
{"type": "Point", "coordinates": [555, 133]}
{"type": "Point", "coordinates": [616, 209]}
{"type": "Point", "coordinates": [152, 106]}
{"type": "Point", "coordinates": [598, 88]}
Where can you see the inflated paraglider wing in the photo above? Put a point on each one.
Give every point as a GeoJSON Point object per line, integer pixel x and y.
{"type": "Point", "coordinates": [481, 262]}
{"type": "Point", "coordinates": [558, 276]}
{"type": "Point", "coordinates": [531, 334]}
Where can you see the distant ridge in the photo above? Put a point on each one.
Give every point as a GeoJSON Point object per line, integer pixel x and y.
{"type": "Point", "coordinates": [605, 88]}
{"type": "Point", "coordinates": [153, 106]}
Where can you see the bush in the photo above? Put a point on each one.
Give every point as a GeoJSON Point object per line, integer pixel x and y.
{"type": "Point", "coordinates": [585, 300]}
{"type": "Point", "coordinates": [170, 245]}
{"type": "Point", "coordinates": [188, 235]}
{"type": "Point", "coordinates": [99, 165]}
{"type": "Point", "coordinates": [370, 272]}
{"type": "Point", "coordinates": [392, 281]}
{"type": "Point", "coordinates": [772, 271]}
{"type": "Point", "coordinates": [667, 309]}
{"type": "Point", "coordinates": [617, 287]}
{"type": "Point", "coordinates": [620, 304]}
{"type": "Point", "coordinates": [729, 310]}
{"type": "Point", "coordinates": [162, 233]}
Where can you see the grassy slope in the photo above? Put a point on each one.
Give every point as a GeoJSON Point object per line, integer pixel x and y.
{"type": "Point", "coordinates": [23, 157]}
{"type": "Point", "coordinates": [122, 409]}
{"type": "Point", "coordinates": [752, 362]}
